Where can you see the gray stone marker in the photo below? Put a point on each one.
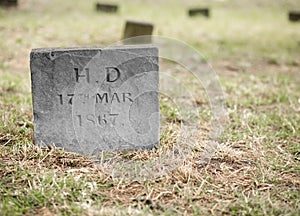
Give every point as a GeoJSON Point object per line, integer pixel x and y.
{"type": "Point", "coordinates": [89, 100]}
{"type": "Point", "coordinates": [9, 3]}
{"type": "Point", "coordinates": [134, 29]}
{"type": "Point", "coordinates": [199, 11]}
{"type": "Point", "coordinates": [108, 8]}
{"type": "Point", "coordinates": [294, 16]}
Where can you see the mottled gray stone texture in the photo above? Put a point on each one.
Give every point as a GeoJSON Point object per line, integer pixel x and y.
{"type": "Point", "coordinates": [89, 100]}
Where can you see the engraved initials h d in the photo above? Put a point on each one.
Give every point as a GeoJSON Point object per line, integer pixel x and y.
{"type": "Point", "coordinates": [112, 74]}
{"type": "Point", "coordinates": [86, 75]}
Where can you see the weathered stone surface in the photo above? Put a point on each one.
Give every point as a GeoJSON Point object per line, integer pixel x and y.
{"type": "Point", "coordinates": [199, 11]}
{"type": "Point", "coordinates": [9, 3]}
{"type": "Point", "coordinates": [90, 99]}
{"type": "Point", "coordinates": [108, 8]}
{"type": "Point", "coordinates": [134, 29]}
{"type": "Point", "coordinates": [294, 16]}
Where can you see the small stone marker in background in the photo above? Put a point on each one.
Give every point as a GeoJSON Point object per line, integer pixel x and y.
{"type": "Point", "coordinates": [294, 16]}
{"type": "Point", "coordinates": [108, 8]}
{"type": "Point", "coordinates": [199, 11]}
{"type": "Point", "coordinates": [89, 100]}
{"type": "Point", "coordinates": [134, 29]}
{"type": "Point", "coordinates": [9, 3]}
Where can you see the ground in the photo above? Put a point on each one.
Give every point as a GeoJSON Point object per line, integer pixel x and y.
{"type": "Point", "coordinates": [252, 47]}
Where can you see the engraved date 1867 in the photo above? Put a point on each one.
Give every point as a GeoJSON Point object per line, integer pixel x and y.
{"type": "Point", "coordinates": [97, 120]}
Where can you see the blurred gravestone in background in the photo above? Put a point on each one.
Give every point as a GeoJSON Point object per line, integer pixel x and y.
{"type": "Point", "coordinates": [294, 16]}
{"type": "Point", "coordinates": [134, 29]}
{"type": "Point", "coordinates": [199, 11]}
{"type": "Point", "coordinates": [108, 8]}
{"type": "Point", "coordinates": [9, 3]}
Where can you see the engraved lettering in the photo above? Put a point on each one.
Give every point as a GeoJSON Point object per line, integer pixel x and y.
{"type": "Point", "coordinates": [114, 117]}
{"type": "Point", "coordinates": [79, 120]}
{"type": "Point", "coordinates": [115, 96]}
{"type": "Point", "coordinates": [128, 97]}
{"type": "Point", "coordinates": [86, 96]}
{"type": "Point", "coordinates": [102, 120]}
{"type": "Point", "coordinates": [112, 74]}
{"type": "Point", "coordinates": [86, 75]}
{"type": "Point", "coordinates": [61, 99]}
{"type": "Point", "coordinates": [100, 98]}
{"type": "Point", "coordinates": [90, 118]}
{"type": "Point", "coordinates": [70, 98]}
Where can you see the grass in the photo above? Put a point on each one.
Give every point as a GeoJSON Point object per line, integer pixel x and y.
{"type": "Point", "coordinates": [255, 169]}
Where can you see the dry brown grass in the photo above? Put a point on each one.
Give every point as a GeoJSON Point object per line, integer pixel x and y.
{"type": "Point", "coordinates": [239, 179]}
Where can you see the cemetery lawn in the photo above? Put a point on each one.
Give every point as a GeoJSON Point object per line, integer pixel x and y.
{"type": "Point", "coordinates": [255, 170]}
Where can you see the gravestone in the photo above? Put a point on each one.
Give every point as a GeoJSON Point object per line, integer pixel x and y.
{"type": "Point", "coordinates": [294, 16]}
{"type": "Point", "coordinates": [134, 29]}
{"type": "Point", "coordinates": [89, 100]}
{"type": "Point", "coordinates": [108, 8]}
{"type": "Point", "coordinates": [199, 11]}
{"type": "Point", "coordinates": [9, 3]}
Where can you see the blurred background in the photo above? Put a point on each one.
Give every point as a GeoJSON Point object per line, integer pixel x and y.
{"type": "Point", "coordinates": [240, 29]}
